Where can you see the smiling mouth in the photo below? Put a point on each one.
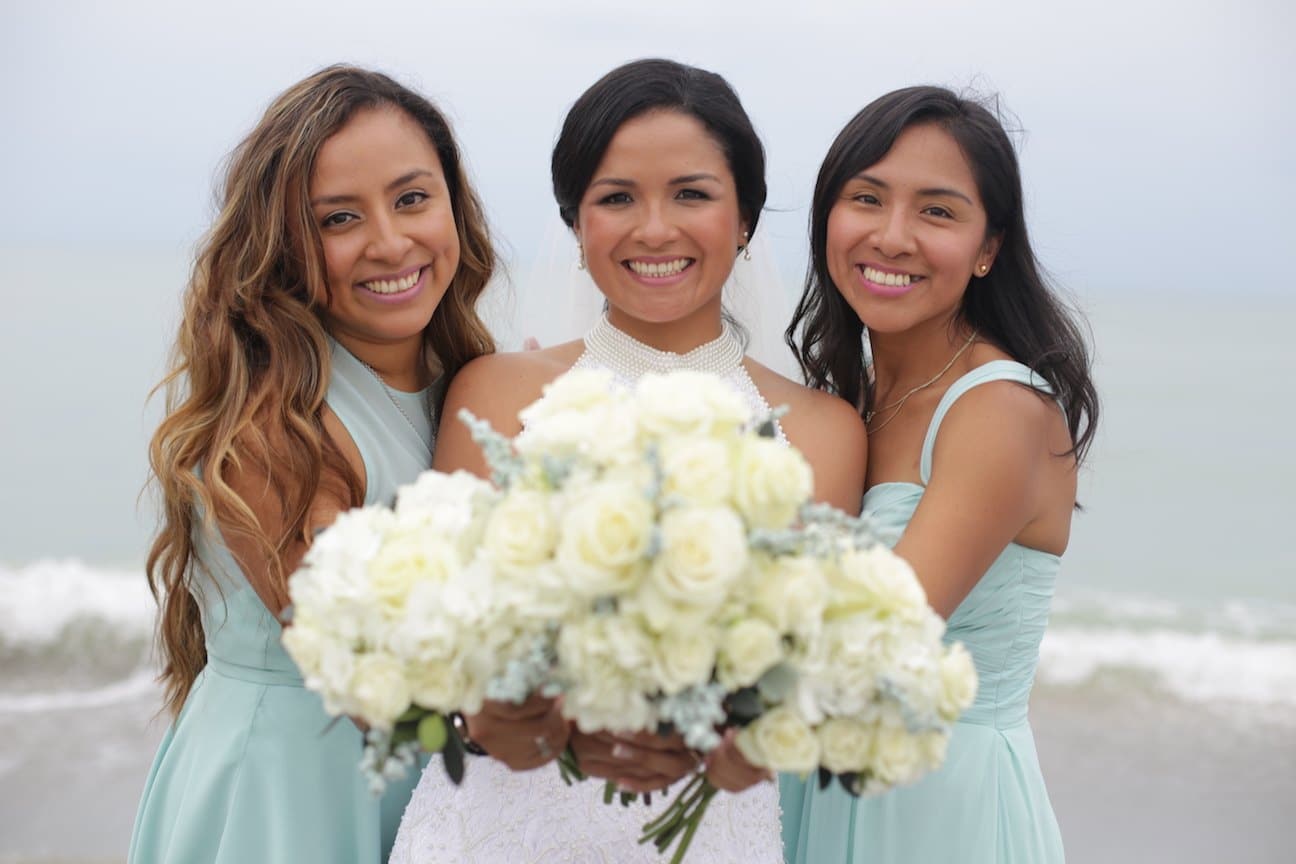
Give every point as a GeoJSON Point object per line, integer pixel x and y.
{"type": "Point", "coordinates": [658, 269]}
{"type": "Point", "coordinates": [394, 286]}
{"type": "Point", "coordinates": [891, 280]}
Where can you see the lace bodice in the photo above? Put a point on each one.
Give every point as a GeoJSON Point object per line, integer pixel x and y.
{"type": "Point", "coordinates": [500, 816]}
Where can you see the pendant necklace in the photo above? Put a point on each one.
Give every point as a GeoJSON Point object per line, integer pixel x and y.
{"type": "Point", "coordinates": [895, 406]}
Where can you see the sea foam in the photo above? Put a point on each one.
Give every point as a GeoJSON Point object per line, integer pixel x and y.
{"type": "Point", "coordinates": [1230, 652]}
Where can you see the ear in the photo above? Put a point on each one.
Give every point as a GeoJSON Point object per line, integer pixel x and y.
{"type": "Point", "coordinates": [986, 257]}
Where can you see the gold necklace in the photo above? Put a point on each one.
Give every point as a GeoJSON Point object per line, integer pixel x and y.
{"type": "Point", "coordinates": [899, 403]}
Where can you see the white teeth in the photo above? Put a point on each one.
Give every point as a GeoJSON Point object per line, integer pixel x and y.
{"type": "Point", "coordinates": [883, 278]}
{"type": "Point", "coordinates": [393, 286]}
{"type": "Point", "coordinates": [665, 268]}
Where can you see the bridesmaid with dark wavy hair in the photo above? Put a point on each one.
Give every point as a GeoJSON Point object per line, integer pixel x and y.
{"type": "Point", "coordinates": [334, 291]}
{"type": "Point", "coordinates": [980, 408]}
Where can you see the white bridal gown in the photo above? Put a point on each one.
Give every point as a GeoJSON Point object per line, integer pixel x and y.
{"type": "Point", "coordinates": [500, 816]}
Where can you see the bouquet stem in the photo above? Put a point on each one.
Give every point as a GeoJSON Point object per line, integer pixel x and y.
{"type": "Point", "coordinates": [681, 819]}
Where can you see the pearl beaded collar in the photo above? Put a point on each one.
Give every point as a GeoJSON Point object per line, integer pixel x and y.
{"type": "Point", "coordinates": [628, 360]}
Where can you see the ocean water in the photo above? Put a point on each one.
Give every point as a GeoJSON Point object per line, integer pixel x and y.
{"type": "Point", "coordinates": [1165, 706]}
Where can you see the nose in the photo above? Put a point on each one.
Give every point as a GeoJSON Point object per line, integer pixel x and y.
{"type": "Point", "coordinates": [893, 235]}
{"type": "Point", "coordinates": [656, 228]}
{"type": "Point", "coordinates": [387, 242]}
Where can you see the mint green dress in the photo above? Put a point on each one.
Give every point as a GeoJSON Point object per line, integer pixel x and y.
{"type": "Point", "coordinates": [987, 804]}
{"type": "Point", "coordinates": [252, 769]}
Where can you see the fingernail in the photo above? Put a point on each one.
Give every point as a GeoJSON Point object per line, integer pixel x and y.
{"type": "Point", "coordinates": [620, 751]}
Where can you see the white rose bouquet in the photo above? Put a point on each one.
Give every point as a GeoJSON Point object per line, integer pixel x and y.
{"type": "Point", "coordinates": [394, 621]}
{"type": "Point", "coordinates": [652, 556]}
{"type": "Point", "coordinates": [665, 538]}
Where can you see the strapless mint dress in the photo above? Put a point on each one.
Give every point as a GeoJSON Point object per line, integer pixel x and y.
{"type": "Point", "coordinates": [253, 770]}
{"type": "Point", "coordinates": [987, 804]}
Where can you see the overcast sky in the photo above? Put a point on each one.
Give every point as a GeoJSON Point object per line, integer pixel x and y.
{"type": "Point", "coordinates": [1156, 145]}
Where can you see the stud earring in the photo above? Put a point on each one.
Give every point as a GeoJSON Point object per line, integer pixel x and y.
{"type": "Point", "coordinates": [580, 256]}
{"type": "Point", "coordinates": [746, 248]}
{"type": "Point", "coordinates": [984, 269]}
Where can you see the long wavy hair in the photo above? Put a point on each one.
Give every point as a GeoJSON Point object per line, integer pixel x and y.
{"type": "Point", "coordinates": [1013, 306]}
{"type": "Point", "coordinates": [250, 367]}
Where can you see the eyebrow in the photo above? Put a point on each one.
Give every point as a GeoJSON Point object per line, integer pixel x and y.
{"type": "Point", "coordinates": [933, 191]}
{"type": "Point", "coordinates": [407, 177]}
{"type": "Point", "coordinates": [675, 181]}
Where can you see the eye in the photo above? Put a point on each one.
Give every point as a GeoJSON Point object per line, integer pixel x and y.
{"type": "Point", "coordinates": [334, 220]}
{"type": "Point", "coordinates": [615, 198]}
{"type": "Point", "coordinates": [692, 195]}
{"type": "Point", "coordinates": [938, 210]}
{"type": "Point", "coordinates": [866, 198]}
{"type": "Point", "coordinates": [409, 199]}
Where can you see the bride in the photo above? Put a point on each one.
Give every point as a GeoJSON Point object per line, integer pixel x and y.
{"type": "Point", "coordinates": [661, 177]}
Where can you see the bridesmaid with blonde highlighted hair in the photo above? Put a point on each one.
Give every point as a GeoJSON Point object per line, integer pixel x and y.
{"type": "Point", "coordinates": [333, 294]}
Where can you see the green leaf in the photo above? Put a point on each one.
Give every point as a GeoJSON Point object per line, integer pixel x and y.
{"type": "Point", "coordinates": [453, 756]}
{"type": "Point", "coordinates": [433, 734]}
{"type": "Point", "coordinates": [745, 705]}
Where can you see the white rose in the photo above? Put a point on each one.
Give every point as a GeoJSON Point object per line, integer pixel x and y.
{"type": "Point", "coordinates": [844, 676]}
{"type": "Point", "coordinates": [575, 390]}
{"type": "Point", "coordinates": [604, 537]}
{"type": "Point", "coordinates": [845, 745]}
{"type": "Point", "coordinates": [958, 682]}
{"type": "Point", "coordinates": [447, 505]}
{"type": "Point", "coordinates": [897, 756]}
{"type": "Point", "coordinates": [688, 403]}
{"type": "Point", "coordinates": [773, 480]}
{"type": "Point", "coordinates": [407, 558]}
{"type": "Point", "coordinates": [747, 649]}
{"type": "Point", "coordinates": [439, 686]}
{"type": "Point", "coordinates": [379, 690]}
{"type": "Point", "coordinates": [521, 531]}
{"type": "Point", "coordinates": [606, 434]}
{"type": "Point", "coordinates": [780, 740]}
{"type": "Point", "coordinates": [697, 470]}
{"type": "Point", "coordinates": [683, 658]}
{"type": "Point", "coordinates": [878, 583]}
{"type": "Point", "coordinates": [583, 413]}
{"type": "Point", "coordinates": [333, 573]}
{"type": "Point", "coordinates": [703, 553]}
{"type": "Point", "coordinates": [606, 663]}
{"type": "Point", "coordinates": [792, 593]}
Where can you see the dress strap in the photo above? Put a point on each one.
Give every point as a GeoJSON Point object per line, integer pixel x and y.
{"type": "Point", "coordinates": [995, 370]}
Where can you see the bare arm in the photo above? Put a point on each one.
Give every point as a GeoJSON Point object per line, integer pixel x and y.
{"type": "Point", "coordinates": [991, 475]}
{"type": "Point", "coordinates": [251, 481]}
{"type": "Point", "coordinates": [833, 440]}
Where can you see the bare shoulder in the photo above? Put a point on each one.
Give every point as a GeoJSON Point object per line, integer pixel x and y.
{"type": "Point", "coordinates": [496, 387]}
{"type": "Point", "coordinates": [826, 429]}
{"type": "Point", "coordinates": [1007, 411]}
{"type": "Point", "coordinates": [808, 407]}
